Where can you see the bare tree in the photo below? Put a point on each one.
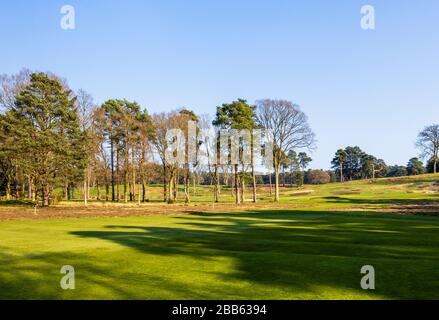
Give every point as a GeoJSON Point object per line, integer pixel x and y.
{"type": "Point", "coordinates": [162, 123]}
{"type": "Point", "coordinates": [288, 129]}
{"type": "Point", "coordinates": [428, 143]}
{"type": "Point", "coordinates": [10, 86]}
{"type": "Point", "coordinates": [86, 109]}
{"type": "Point", "coordinates": [212, 149]}
{"type": "Point", "coordinates": [204, 124]}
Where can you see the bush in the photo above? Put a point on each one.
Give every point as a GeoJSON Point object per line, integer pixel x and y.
{"type": "Point", "coordinates": [318, 177]}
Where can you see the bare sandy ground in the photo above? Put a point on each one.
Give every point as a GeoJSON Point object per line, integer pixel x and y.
{"type": "Point", "coordinates": [112, 210]}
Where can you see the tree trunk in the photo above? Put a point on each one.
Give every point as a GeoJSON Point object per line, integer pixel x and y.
{"type": "Point", "coordinates": [17, 182]}
{"type": "Point", "coordinates": [254, 180]}
{"type": "Point", "coordinates": [237, 195]}
{"type": "Point", "coordinates": [276, 183]}
{"type": "Point", "coordinates": [107, 191]}
{"type": "Point", "coordinates": [186, 184]}
{"type": "Point", "coordinates": [72, 192]}
{"type": "Point", "coordinates": [113, 198]}
{"type": "Point", "coordinates": [165, 189]}
{"type": "Point", "coordinates": [291, 176]}
{"type": "Point", "coordinates": [216, 184]}
{"type": "Point", "coordinates": [34, 192]}
{"type": "Point", "coordinates": [134, 177]}
{"type": "Point", "coordinates": [117, 174]}
{"type": "Point", "coordinates": [175, 182]}
{"type": "Point", "coordinates": [271, 184]}
{"type": "Point", "coordinates": [23, 184]}
{"type": "Point", "coordinates": [89, 184]}
{"type": "Point", "coordinates": [29, 188]}
{"type": "Point", "coordinates": [125, 175]}
{"type": "Point", "coordinates": [85, 188]}
{"type": "Point", "coordinates": [171, 191]}
{"type": "Point", "coordinates": [45, 192]}
{"type": "Point", "coordinates": [283, 176]}
{"type": "Point", "coordinates": [68, 192]}
{"type": "Point", "coordinates": [8, 190]}
{"type": "Point", "coordinates": [98, 190]}
{"type": "Point", "coordinates": [243, 183]}
{"type": "Point", "coordinates": [195, 183]}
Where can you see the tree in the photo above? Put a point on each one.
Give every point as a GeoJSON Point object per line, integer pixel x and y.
{"type": "Point", "coordinates": [239, 115]}
{"type": "Point", "coordinates": [304, 160]}
{"type": "Point", "coordinates": [372, 167]}
{"type": "Point", "coordinates": [397, 171]}
{"type": "Point", "coordinates": [7, 160]}
{"type": "Point", "coordinates": [338, 162]}
{"type": "Point", "coordinates": [332, 175]}
{"type": "Point", "coordinates": [352, 163]}
{"type": "Point", "coordinates": [293, 163]}
{"type": "Point", "coordinates": [415, 167]}
{"type": "Point", "coordinates": [111, 125]}
{"type": "Point", "coordinates": [428, 143]}
{"type": "Point", "coordinates": [145, 136]}
{"type": "Point", "coordinates": [209, 143]}
{"type": "Point", "coordinates": [120, 121]}
{"type": "Point", "coordinates": [10, 87]}
{"type": "Point", "coordinates": [299, 178]}
{"type": "Point", "coordinates": [185, 117]}
{"type": "Point", "coordinates": [379, 169]}
{"type": "Point", "coordinates": [431, 164]}
{"type": "Point", "coordinates": [288, 129]}
{"type": "Point", "coordinates": [45, 132]}
{"type": "Point", "coordinates": [164, 122]}
{"type": "Point", "coordinates": [161, 125]}
{"type": "Point", "coordinates": [86, 109]}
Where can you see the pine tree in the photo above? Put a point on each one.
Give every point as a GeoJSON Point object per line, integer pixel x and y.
{"type": "Point", "coordinates": [45, 131]}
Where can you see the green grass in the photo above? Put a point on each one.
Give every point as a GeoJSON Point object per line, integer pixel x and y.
{"type": "Point", "coordinates": [311, 252]}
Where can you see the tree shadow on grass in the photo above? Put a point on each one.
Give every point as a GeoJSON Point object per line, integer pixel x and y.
{"type": "Point", "coordinates": [37, 276]}
{"type": "Point", "coordinates": [302, 254]}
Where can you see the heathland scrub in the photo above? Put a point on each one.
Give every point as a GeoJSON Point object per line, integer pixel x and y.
{"type": "Point", "coordinates": [311, 251]}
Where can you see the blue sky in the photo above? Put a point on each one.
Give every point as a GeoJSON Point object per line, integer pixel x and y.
{"type": "Point", "coordinates": [375, 89]}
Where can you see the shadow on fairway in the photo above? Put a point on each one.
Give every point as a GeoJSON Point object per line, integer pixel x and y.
{"type": "Point", "coordinates": [300, 251]}
{"type": "Point", "coordinates": [37, 276]}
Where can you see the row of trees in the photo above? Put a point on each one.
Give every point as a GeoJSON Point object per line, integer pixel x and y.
{"type": "Point", "coordinates": [352, 163]}
{"type": "Point", "coordinates": [54, 139]}
{"type": "Point", "coordinates": [414, 167]}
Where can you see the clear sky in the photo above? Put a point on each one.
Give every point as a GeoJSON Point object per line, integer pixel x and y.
{"type": "Point", "coordinates": [375, 89]}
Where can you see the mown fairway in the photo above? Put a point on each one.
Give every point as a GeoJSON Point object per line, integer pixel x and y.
{"type": "Point", "coordinates": [312, 246]}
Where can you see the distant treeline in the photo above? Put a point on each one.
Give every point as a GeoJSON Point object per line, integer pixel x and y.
{"type": "Point", "coordinates": [352, 163]}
